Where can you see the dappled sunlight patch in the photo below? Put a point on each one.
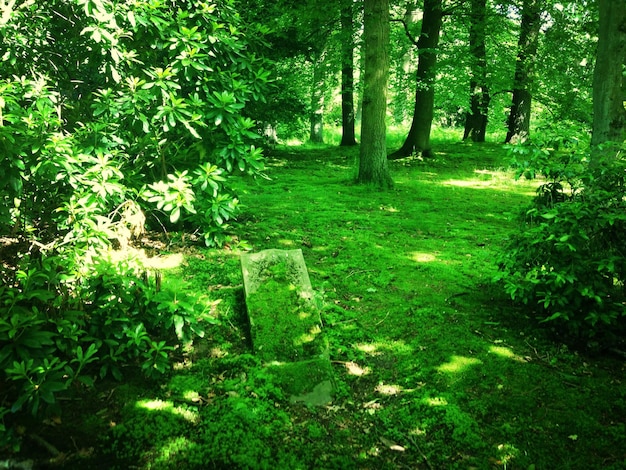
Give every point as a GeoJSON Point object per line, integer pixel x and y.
{"type": "Point", "coordinates": [218, 352]}
{"type": "Point", "coordinates": [277, 163]}
{"type": "Point", "coordinates": [376, 348]}
{"type": "Point", "coordinates": [322, 249]}
{"type": "Point", "coordinates": [505, 352]}
{"type": "Point", "coordinates": [182, 365]}
{"type": "Point", "coordinates": [435, 401]}
{"type": "Point", "coordinates": [164, 262]}
{"type": "Point", "coordinates": [175, 445]}
{"type": "Point", "coordinates": [129, 253]}
{"type": "Point", "coordinates": [458, 364]}
{"type": "Point", "coordinates": [192, 395]}
{"type": "Point", "coordinates": [417, 431]}
{"type": "Point", "coordinates": [354, 369]}
{"type": "Point", "coordinates": [388, 389]}
{"type": "Point", "coordinates": [493, 179]}
{"type": "Point", "coordinates": [421, 257]}
{"type": "Point", "coordinates": [309, 337]}
{"type": "Point", "coordinates": [368, 348]}
{"type": "Point", "coordinates": [286, 242]}
{"type": "Point", "coordinates": [467, 183]}
{"type": "Point", "coordinates": [473, 184]}
{"type": "Point", "coordinates": [372, 406]}
{"type": "Point", "coordinates": [488, 172]}
{"type": "Point", "coordinates": [168, 406]}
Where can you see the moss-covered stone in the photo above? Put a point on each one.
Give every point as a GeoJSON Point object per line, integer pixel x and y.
{"type": "Point", "coordinates": [285, 323]}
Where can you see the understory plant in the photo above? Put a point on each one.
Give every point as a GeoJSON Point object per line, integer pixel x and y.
{"type": "Point", "coordinates": [148, 138]}
{"type": "Point", "coordinates": [567, 262]}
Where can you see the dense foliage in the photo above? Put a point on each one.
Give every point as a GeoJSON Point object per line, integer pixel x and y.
{"type": "Point", "coordinates": [568, 261]}
{"type": "Point", "coordinates": [115, 117]}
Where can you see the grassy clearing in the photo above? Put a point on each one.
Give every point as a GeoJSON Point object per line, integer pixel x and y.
{"type": "Point", "coordinates": [434, 368]}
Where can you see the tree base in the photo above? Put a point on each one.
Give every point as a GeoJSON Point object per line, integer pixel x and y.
{"type": "Point", "coordinates": [414, 152]}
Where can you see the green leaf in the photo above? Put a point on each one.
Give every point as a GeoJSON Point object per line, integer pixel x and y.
{"type": "Point", "coordinates": [552, 317]}
{"type": "Point", "coordinates": [131, 18]}
{"type": "Point", "coordinates": [175, 215]}
{"type": "Point", "coordinates": [179, 322]}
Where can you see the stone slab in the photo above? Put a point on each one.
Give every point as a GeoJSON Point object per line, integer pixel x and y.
{"type": "Point", "coordinates": [285, 324]}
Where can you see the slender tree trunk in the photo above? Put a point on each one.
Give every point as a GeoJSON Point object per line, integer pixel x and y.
{"type": "Point", "coordinates": [418, 139]}
{"type": "Point", "coordinates": [347, 74]}
{"type": "Point", "coordinates": [609, 85]}
{"type": "Point", "coordinates": [476, 117]}
{"type": "Point", "coordinates": [518, 123]}
{"type": "Point", "coordinates": [317, 100]}
{"type": "Point", "coordinates": [373, 166]}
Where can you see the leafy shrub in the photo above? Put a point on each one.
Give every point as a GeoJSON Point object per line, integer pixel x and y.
{"type": "Point", "coordinates": [568, 261]}
{"type": "Point", "coordinates": [62, 328]}
{"type": "Point", "coordinates": [155, 126]}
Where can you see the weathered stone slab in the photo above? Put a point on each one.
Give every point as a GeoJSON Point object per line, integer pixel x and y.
{"type": "Point", "coordinates": [285, 324]}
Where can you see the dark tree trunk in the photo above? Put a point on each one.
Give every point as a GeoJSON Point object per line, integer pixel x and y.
{"type": "Point", "coordinates": [418, 139]}
{"type": "Point", "coordinates": [476, 117]}
{"type": "Point", "coordinates": [347, 74]}
{"type": "Point", "coordinates": [609, 85]}
{"type": "Point", "coordinates": [518, 123]}
{"type": "Point", "coordinates": [373, 166]}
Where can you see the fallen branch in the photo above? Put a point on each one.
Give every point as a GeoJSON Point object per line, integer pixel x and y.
{"type": "Point", "coordinates": [382, 320]}
{"type": "Point", "coordinates": [45, 444]}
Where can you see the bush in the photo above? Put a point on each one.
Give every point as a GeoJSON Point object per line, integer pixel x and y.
{"type": "Point", "coordinates": [155, 126]}
{"type": "Point", "coordinates": [568, 261]}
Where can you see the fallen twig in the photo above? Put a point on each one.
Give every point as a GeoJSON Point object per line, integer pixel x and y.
{"type": "Point", "coordinates": [382, 319]}
{"type": "Point", "coordinates": [45, 444]}
{"type": "Point", "coordinates": [419, 450]}
{"type": "Point", "coordinates": [359, 271]}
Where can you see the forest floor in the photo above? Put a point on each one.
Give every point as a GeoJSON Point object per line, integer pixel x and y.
{"type": "Point", "coordinates": [434, 368]}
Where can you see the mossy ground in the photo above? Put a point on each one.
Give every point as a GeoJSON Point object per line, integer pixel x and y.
{"type": "Point", "coordinates": [434, 368]}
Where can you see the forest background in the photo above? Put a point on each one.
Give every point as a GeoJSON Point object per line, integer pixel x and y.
{"type": "Point", "coordinates": [121, 120]}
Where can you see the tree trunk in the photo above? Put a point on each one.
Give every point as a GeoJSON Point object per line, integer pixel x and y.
{"type": "Point", "coordinates": [476, 117]}
{"type": "Point", "coordinates": [373, 166]}
{"type": "Point", "coordinates": [347, 74]}
{"type": "Point", "coordinates": [418, 139]}
{"type": "Point", "coordinates": [317, 101]}
{"type": "Point", "coordinates": [609, 85]}
{"type": "Point", "coordinates": [519, 118]}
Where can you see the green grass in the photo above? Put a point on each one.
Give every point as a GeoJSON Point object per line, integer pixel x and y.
{"type": "Point", "coordinates": [434, 368]}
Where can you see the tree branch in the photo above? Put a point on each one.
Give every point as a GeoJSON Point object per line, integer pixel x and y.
{"type": "Point", "coordinates": [453, 6]}
{"type": "Point", "coordinates": [406, 29]}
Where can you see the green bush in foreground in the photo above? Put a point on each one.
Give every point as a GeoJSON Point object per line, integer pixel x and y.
{"type": "Point", "coordinates": [569, 258]}
{"type": "Point", "coordinates": [148, 138]}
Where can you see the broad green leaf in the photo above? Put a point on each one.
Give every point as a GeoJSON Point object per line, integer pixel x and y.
{"type": "Point", "coordinates": [175, 215]}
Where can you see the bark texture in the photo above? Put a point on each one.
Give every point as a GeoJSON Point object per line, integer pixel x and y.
{"type": "Point", "coordinates": [418, 139]}
{"type": "Point", "coordinates": [347, 74]}
{"type": "Point", "coordinates": [373, 166]}
{"type": "Point", "coordinates": [609, 86]}
{"type": "Point", "coordinates": [476, 117]}
{"type": "Point", "coordinates": [518, 123]}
